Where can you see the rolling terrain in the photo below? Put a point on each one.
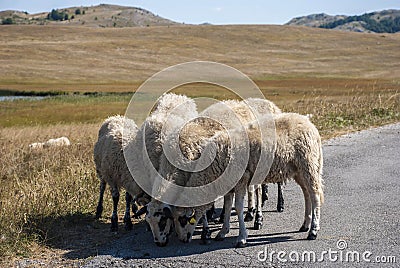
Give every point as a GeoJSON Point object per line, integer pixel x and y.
{"type": "Point", "coordinates": [91, 16]}
{"type": "Point", "coordinates": [386, 21]}
{"type": "Point", "coordinates": [347, 81]}
{"type": "Point", "coordinates": [57, 57]}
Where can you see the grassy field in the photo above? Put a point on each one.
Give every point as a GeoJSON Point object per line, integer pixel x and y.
{"type": "Point", "coordinates": [61, 109]}
{"type": "Point", "coordinates": [48, 197]}
{"type": "Point", "coordinates": [97, 59]}
{"type": "Point", "coordinates": [347, 81]}
{"type": "Point", "coordinates": [337, 106]}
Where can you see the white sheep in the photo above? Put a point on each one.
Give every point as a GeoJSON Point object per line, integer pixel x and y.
{"type": "Point", "coordinates": [242, 109]}
{"type": "Point", "coordinates": [226, 115]}
{"type": "Point", "coordinates": [62, 141]}
{"type": "Point", "coordinates": [298, 155]}
{"type": "Point", "coordinates": [114, 134]}
{"type": "Point", "coordinates": [143, 154]}
{"type": "Point", "coordinates": [118, 137]}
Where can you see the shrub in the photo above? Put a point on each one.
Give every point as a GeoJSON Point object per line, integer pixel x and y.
{"type": "Point", "coordinates": [8, 21]}
{"type": "Point", "coordinates": [57, 15]}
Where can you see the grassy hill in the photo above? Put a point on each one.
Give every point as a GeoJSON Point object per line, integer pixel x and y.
{"type": "Point", "coordinates": [93, 16]}
{"type": "Point", "coordinates": [387, 21]}
{"type": "Point", "coordinates": [56, 57]}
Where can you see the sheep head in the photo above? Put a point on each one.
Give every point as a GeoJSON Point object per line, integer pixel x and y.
{"type": "Point", "coordinates": [185, 220]}
{"type": "Point", "coordinates": [159, 216]}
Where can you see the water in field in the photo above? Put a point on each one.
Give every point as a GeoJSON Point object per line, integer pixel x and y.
{"type": "Point", "coordinates": [12, 98]}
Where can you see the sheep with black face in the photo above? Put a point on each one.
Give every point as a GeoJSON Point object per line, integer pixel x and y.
{"type": "Point", "coordinates": [143, 154]}
{"type": "Point", "coordinates": [226, 115]}
{"type": "Point", "coordinates": [297, 155]}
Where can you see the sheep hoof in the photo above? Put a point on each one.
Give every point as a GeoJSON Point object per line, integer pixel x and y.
{"type": "Point", "coordinates": [312, 236]}
{"type": "Point", "coordinates": [220, 220]}
{"type": "Point", "coordinates": [205, 236]}
{"type": "Point", "coordinates": [205, 241]}
{"type": "Point", "coordinates": [99, 211]}
{"type": "Point", "coordinates": [159, 244]}
{"type": "Point", "coordinates": [279, 209]}
{"type": "Point", "coordinates": [249, 216]}
{"type": "Point", "coordinates": [114, 229]}
{"type": "Point", "coordinates": [257, 225]}
{"type": "Point", "coordinates": [114, 224]}
{"type": "Point", "coordinates": [303, 229]}
{"type": "Point", "coordinates": [258, 221]}
{"type": "Point", "coordinates": [128, 225]}
{"type": "Point", "coordinates": [219, 237]}
{"type": "Point", "coordinates": [240, 244]}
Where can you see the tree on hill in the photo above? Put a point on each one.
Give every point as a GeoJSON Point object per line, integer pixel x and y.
{"type": "Point", "coordinates": [57, 15]}
{"type": "Point", "coordinates": [387, 25]}
{"type": "Point", "coordinates": [7, 21]}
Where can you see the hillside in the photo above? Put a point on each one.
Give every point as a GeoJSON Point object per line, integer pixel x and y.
{"type": "Point", "coordinates": [94, 16]}
{"type": "Point", "coordinates": [387, 21]}
{"type": "Point", "coordinates": [56, 57]}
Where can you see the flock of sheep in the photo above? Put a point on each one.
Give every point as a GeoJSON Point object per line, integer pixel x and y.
{"type": "Point", "coordinates": [292, 150]}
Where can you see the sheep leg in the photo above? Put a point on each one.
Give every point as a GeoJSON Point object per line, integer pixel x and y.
{"type": "Point", "coordinates": [134, 206]}
{"type": "Point", "coordinates": [264, 188]}
{"type": "Point", "coordinates": [222, 215]}
{"type": "Point", "coordinates": [307, 210]}
{"type": "Point", "coordinates": [228, 200]}
{"type": "Point", "coordinates": [205, 233]}
{"type": "Point", "coordinates": [114, 217]}
{"type": "Point", "coordinates": [99, 209]}
{"type": "Point", "coordinates": [210, 213]}
{"type": "Point", "coordinates": [239, 206]}
{"type": "Point", "coordinates": [316, 207]}
{"type": "Point", "coordinates": [281, 201]}
{"type": "Point", "coordinates": [250, 204]}
{"type": "Point", "coordinates": [127, 216]}
{"type": "Point", "coordinates": [259, 217]}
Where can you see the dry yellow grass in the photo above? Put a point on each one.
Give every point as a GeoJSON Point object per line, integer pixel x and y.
{"type": "Point", "coordinates": [48, 196]}
{"type": "Point", "coordinates": [93, 59]}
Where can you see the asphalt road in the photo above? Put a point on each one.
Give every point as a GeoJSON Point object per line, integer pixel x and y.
{"type": "Point", "coordinates": [360, 218]}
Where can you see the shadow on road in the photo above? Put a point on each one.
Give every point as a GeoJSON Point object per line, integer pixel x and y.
{"type": "Point", "coordinates": [79, 234]}
{"type": "Point", "coordinates": [138, 244]}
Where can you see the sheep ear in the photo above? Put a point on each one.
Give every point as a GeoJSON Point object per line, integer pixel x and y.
{"type": "Point", "coordinates": [167, 212]}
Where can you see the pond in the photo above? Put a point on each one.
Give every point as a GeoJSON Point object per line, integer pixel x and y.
{"type": "Point", "coordinates": [12, 98]}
